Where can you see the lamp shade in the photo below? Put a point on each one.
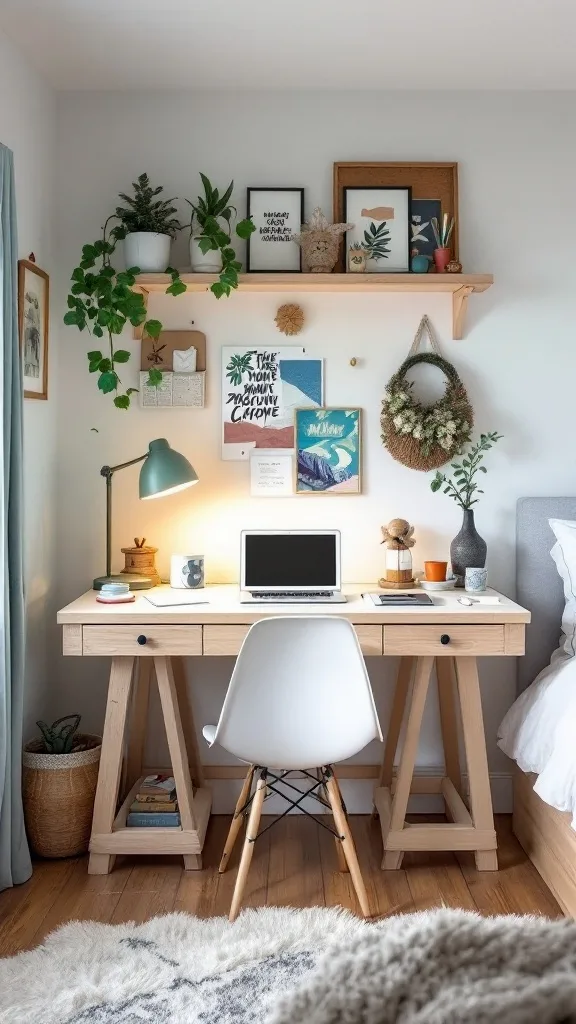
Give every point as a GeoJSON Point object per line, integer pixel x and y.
{"type": "Point", "coordinates": [164, 471]}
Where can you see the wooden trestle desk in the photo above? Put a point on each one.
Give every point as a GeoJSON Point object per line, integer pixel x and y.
{"type": "Point", "coordinates": [140, 636]}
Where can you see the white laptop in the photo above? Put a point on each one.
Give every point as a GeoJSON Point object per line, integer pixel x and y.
{"type": "Point", "coordinates": [290, 567]}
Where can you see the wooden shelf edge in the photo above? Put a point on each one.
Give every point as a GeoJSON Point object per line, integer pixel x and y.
{"type": "Point", "coordinates": [460, 286]}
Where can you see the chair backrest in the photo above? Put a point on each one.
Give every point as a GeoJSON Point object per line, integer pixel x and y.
{"type": "Point", "coordinates": [299, 696]}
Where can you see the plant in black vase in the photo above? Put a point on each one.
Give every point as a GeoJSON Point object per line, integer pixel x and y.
{"type": "Point", "coordinates": [468, 549]}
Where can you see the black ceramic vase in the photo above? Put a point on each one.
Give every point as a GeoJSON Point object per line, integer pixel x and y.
{"type": "Point", "coordinates": [467, 550]}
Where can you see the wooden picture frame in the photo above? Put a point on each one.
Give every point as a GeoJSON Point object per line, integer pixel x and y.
{"type": "Point", "coordinates": [351, 484]}
{"type": "Point", "coordinates": [293, 264]}
{"type": "Point", "coordinates": [428, 180]}
{"type": "Point", "coordinates": [33, 321]}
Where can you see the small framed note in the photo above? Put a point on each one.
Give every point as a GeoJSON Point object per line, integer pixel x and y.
{"type": "Point", "coordinates": [277, 214]}
{"type": "Point", "coordinates": [271, 473]}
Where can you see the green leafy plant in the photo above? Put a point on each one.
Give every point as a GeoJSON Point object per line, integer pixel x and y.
{"type": "Point", "coordinates": [462, 487]}
{"type": "Point", "coordinates": [145, 212]}
{"type": "Point", "coordinates": [102, 300]}
{"type": "Point", "coordinates": [206, 211]}
{"type": "Point", "coordinates": [59, 737]}
{"type": "Point", "coordinates": [237, 367]}
{"type": "Point", "coordinates": [376, 241]}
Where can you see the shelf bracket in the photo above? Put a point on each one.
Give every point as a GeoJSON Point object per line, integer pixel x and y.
{"type": "Point", "coordinates": [137, 331]}
{"type": "Point", "coordinates": [459, 308]}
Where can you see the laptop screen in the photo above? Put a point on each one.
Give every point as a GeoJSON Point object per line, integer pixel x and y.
{"type": "Point", "coordinates": [291, 561]}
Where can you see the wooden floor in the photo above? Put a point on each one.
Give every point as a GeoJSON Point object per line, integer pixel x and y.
{"type": "Point", "coordinates": [294, 865]}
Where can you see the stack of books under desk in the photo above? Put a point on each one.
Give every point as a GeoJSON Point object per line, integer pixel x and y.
{"type": "Point", "coordinates": [155, 804]}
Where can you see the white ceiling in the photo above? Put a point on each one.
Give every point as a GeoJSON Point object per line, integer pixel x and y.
{"type": "Point", "coordinates": [297, 44]}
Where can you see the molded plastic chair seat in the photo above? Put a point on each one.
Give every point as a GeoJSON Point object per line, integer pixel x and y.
{"type": "Point", "coordinates": [299, 698]}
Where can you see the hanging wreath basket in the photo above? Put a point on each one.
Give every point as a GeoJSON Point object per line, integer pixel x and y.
{"type": "Point", "coordinates": [421, 436]}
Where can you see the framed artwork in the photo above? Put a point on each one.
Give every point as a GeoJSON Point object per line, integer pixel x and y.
{"type": "Point", "coordinates": [437, 182]}
{"type": "Point", "coordinates": [422, 242]}
{"type": "Point", "coordinates": [33, 315]}
{"type": "Point", "coordinates": [381, 219]}
{"type": "Point", "coordinates": [328, 451]}
{"type": "Point", "coordinates": [277, 213]}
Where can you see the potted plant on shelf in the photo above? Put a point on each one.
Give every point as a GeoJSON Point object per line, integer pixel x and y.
{"type": "Point", "coordinates": [211, 250]}
{"type": "Point", "coordinates": [468, 549]}
{"type": "Point", "coordinates": [149, 225]}
{"type": "Point", "coordinates": [58, 787]}
{"type": "Point", "coordinates": [102, 300]}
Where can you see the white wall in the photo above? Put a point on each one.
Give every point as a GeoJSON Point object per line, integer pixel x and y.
{"type": "Point", "coordinates": [27, 127]}
{"type": "Point", "coordinates": [518, 358]}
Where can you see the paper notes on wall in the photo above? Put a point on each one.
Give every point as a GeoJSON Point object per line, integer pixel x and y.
{"type": "Point", "coordinates": [271, 473]}
{"type": "Point", "coordinates": [184, 362]}
{"type": "Point", "coordinates": [175, 390]}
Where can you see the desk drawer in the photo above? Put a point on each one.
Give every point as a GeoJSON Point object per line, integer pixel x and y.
{"type": "Point", "coordinates": [426, 640]}
{"type": "Point", "coordinates": [117, 641]}
{"type": "Point", "coordinates": [226, 640]}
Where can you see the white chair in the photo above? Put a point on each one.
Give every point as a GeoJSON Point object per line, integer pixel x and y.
{"type": "Point", "coordinates": [299, 700]}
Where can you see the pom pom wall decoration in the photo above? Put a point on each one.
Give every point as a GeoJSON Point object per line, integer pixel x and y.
{"type": "Point", "coordinates": [289, 319]}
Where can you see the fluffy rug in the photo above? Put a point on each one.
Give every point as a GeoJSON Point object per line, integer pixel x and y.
{"type": "Point", "coordinates": [175, 969]}
{"type": "Point", "coordinates": [443, 967]}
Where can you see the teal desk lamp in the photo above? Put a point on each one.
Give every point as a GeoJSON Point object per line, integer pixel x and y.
{"type": "Point", "coordinates": [164, 472]}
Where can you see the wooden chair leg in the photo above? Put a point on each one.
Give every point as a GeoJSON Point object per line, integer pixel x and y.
{"type": "Point", "coordinates": [347, 842]}
{"type": "Point", "coordinates": [111, 759]}
{"type": "Point", "coordinates": [393, 859]}
{"type": "Point", "coordinates": [342, 862]}
{"type": "Point", "coordinates": [476, 759]}
{"type": "Point", "coordinates": [236, 823]}
{"type": "Point", "coordinates": [448, 720]}
{"type": "Point", "coordinates": [248, 849]}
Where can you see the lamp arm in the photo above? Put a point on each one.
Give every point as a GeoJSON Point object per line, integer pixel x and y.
{"type": "Point", "coordinates": [107, 472]}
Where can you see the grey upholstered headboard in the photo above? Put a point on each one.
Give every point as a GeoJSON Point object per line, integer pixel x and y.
{"type": "Point", "coordinates": [538, 585]}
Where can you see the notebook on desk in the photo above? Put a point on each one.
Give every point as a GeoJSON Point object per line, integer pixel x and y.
{"type": "Point", "coordinates": [399, 600]}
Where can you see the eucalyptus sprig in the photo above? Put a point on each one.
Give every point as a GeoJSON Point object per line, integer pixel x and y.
{"type": "Point", "coordinates": [102, 300]}
{"type": "Point", "coordinates": [463, 488]}
{"type": "Point", "coordinates": [206, 210]}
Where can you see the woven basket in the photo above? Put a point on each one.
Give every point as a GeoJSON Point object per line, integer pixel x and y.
{"type": "Point", "coordinates": [58, 793]}
{"type": "Point", "coordinates": [407, 449]}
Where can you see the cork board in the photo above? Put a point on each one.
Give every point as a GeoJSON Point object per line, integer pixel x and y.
{"type": "Point", "coordinates": [427, 180]}
{"type": "Point", "coordinates": [157, 353]}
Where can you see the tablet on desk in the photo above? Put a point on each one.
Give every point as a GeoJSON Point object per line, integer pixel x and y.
{"type": "Point", "coordinates": [169, 598]}
{"type": "Point", "coordinates": [400, 600]}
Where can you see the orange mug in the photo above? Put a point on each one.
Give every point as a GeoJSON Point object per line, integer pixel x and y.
{"type": "Point", "coordinates": [435, 571]}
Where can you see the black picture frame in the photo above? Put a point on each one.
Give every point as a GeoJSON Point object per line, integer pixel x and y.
{"type": "Point", "coordinates": [250, 268]}
{"type": "Point", "coordinates": [383, 188]}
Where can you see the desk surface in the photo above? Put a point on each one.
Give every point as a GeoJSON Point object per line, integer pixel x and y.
{"type": "Point", "coordinates": [224, 607]}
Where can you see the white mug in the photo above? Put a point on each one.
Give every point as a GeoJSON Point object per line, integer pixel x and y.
{"type": "Point", "coordinates": [475, 580]}
{"type": "Point", "coordinates": [187, 572]}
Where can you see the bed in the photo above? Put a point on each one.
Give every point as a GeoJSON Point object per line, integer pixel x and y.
{"type": "Point", "coordinates": [545, 832]}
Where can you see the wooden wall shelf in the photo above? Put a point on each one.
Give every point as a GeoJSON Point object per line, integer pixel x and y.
{"type": "Point", "coordinates": [460, 286]}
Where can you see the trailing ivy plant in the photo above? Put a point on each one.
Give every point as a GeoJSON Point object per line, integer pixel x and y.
{"type": "Point", "coordinates": [102, 301]}
{"type": "Point", "coordinates": [145, 212]}
{"type": "Point", "coordinates": [206, 210]}
{"type": "Point", "coordinates": [462, 487]}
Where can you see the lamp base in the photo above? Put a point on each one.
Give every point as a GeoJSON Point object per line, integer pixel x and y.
{"type": "Point", "coordinates": [133, 581]}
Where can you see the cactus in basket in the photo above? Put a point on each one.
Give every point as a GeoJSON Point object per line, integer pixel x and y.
{"type": "Point", "coordinates": [59, 738]}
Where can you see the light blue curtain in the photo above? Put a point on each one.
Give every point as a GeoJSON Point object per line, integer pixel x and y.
{"type": "Point", "coordinates": [15, 863]}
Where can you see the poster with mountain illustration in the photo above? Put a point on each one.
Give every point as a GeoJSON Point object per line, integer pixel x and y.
{"type": "Point", "coordinates": [261, 388]}
{"type": "Point", "coordinates": [328, 451]}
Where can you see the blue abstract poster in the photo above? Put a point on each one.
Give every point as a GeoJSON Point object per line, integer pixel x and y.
{"type": "Point", "coordinates": [328, 451]}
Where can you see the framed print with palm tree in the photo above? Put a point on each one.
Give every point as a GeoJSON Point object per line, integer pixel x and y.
{"type": "Point", "coordinates": [381, 219]}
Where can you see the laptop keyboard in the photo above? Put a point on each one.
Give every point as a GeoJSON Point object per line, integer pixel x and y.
{"type": "Point", "coordinates": [284, 594]}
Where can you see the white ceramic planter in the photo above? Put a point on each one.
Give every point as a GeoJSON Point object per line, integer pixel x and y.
{"type": "Point", "coordinates": [147, 250]}
{"type": "Point", "coordinates": [209, 263]}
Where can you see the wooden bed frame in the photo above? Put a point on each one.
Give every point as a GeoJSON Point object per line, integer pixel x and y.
{"type": "Point", "coordinates": [545, 833]}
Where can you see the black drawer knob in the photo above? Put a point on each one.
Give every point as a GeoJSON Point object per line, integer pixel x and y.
{"type": "Point", "coordinates": [444, 639]}
{"type": "Point", "coordinates": [142, 639]}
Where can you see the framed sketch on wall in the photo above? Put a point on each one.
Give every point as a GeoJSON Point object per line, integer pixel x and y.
{"type": "Point", "coordinates": [33, 314]}
{"type": "Point", "coordinates": [277, 214]}
{"type": "Point", "coordinates": [381, 219]}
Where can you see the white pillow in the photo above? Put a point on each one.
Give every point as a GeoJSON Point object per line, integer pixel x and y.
{"type": "Point", "coordinates": [564, 555]}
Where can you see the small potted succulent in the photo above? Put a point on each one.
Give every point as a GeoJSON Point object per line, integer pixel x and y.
{"type": "Point", "coordinates": [211, 250]}
{"type": "Point", "coordinates": [356, 258]}
{"type": "Point", "coordinates": [150, 226]}
{"type": "Point", "coordinates": [60, 772]}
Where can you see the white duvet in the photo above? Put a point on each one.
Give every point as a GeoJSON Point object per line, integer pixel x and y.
{"type": "Point", "coordinates": [539, 733]}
